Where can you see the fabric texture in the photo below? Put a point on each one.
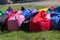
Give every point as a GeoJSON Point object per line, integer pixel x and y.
{"type": "Point", "coordinates": [39, 22]}
{"type": "Point", "coordinates": [14, 21]}
{"type": "Point", "coordinates": [1, 12]}
{"type": "Point", "coordinates": [9, 11]}
{"type": "Point", "coordinates": [55, 19]}
{"type": "Point", "coordinates": [2, 21]}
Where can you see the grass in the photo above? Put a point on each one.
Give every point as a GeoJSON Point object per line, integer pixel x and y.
{"type": "Point", "coordinates": [17, 7]}
{"type": "Point", "coordinates": [22, 35]}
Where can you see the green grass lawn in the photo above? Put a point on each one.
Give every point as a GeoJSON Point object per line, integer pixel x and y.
{"type": "Point", "coordinates": [22, 35]}
{"type": "Point", "coordinates": [17, 7]}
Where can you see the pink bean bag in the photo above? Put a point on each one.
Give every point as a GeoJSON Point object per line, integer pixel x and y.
{"type": "Point", "coordinates": [14, 21]}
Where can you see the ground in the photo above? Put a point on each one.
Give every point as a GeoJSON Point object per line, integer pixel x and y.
{"type": "Point", "coordinates": [22, 35]}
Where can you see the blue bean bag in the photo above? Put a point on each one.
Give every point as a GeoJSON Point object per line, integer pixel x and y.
{"type": "Point", "coordinates": [57, 10]}
{"type": "Point", "coordinates": [28, 12]}
{"type": "Point", "coordinates": [55, 21]}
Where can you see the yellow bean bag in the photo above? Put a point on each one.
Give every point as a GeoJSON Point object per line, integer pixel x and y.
{"type": "Point", "coordinates": [45, 9]}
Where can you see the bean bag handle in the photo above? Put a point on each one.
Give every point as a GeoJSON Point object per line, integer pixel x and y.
{"type": "Point", "coordinates": [9, 8]}
{"type": "Point", "coordinates": [22, 8]}
{"type": "Point", "coordinates": [42, 14]}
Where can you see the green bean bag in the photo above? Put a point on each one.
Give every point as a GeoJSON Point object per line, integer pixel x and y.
{"type": "Point", "coordinates": [1, 12]}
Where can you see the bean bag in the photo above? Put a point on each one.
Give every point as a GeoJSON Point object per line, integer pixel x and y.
{"type": "Point", "coordinates": [1, 12]}
{"type": "Point", "coordinates": [33, 10]}
{"type": "Point", "coordinates": [25, 26]}
{"type": "Point", "coordinates": [57, 10]}
{"type": "Point", "coordinates": [15, 11]}
{"type": "Point", "coordinates": [49, 11]}
{"type": "Point", "coordinates": [55, 20]}
{"type": "Point", "coordinates": [28, 12]}
{"type": "Point", "coordinates": [39, 22]}
{"type": "Point", "coordinates": [45, 9]}
{"type": "Point", "coordinates": [2, 21]}
{"type": "Point", "coordinates": [14, 21]}
{"type": "Point", "coordinates": [9, 11]}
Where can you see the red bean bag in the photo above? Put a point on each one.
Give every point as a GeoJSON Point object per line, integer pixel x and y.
{"type": "Point", "coordinates": [40, 22]}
